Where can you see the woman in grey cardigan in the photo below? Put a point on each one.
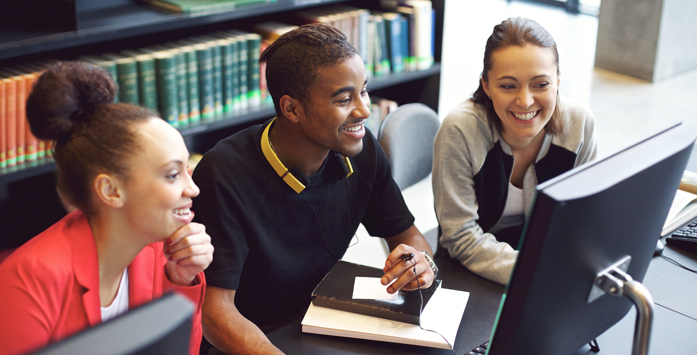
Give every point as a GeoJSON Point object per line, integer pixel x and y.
{"type": "Point", "coordinates": [494, 148]}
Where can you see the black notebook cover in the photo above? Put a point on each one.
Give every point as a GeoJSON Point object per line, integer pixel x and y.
{"type": "Point", "coordinates": [336, 291]}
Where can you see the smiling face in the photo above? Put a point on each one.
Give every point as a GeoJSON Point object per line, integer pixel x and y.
{"type": "Point", "coordinates": [337, 107]}
{"type": "Point", "coordinates": [159, 190]}
{"type": "Point", "coordinates": [523, 83]}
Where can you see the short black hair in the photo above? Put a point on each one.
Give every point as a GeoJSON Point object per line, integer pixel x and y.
{"type": "Point", "coordinates": [292, 61]}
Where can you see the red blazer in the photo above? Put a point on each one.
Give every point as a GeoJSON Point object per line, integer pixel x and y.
{"type": "Point", "coordinates": [49, 287]}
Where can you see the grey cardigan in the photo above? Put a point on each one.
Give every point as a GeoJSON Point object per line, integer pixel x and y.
{"type": "Point", "coordinates": [471, 169]}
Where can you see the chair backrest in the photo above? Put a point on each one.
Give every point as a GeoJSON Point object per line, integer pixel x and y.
{"type": "Point", "coordinates": [406, 135]}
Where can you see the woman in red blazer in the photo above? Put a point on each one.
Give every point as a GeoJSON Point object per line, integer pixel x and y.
{"type": "Point", "coordinates": [131, 237]}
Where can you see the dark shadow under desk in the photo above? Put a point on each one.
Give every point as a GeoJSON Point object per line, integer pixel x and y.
{"type": "Point", "coordinates": [674, 329]}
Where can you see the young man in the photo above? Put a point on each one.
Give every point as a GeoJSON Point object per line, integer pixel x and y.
{"type": "Point", "coordinates": [282, 200]}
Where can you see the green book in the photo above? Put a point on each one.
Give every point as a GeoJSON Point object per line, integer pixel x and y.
{"type": "Point", "coordinates": [382, 61]}
{"type": "Point", "coordinates": [217, 60]}
{"type": "Point", "coordinates": [192, 81]}
{"type": "Point", "coordinates": [107, 64]}
{"type": "Point", "coordinates": [166, 66]}
{"type": "Point", "coordinates": [182, 83]}
{"type": "Point", "coordinates": [147, 82]}
{"type": "Point", "coordinates": [253, 52]}
{"type": "Point", "coordinates": [127, 77]}
{"type": "Point", "coordinates": [242, 67]}
{"type": "Point", "coordinates": [228, 51]}
{"type": "Point", "coordinates": [204, 56]}
{"type": "Point", "coordinates": [201, 6]}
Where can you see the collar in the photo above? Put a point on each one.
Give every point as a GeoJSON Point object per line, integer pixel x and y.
{"type": "Point", "coordinates": [276, 163]}
{"type": "Point", "coordinates": [85, 263]}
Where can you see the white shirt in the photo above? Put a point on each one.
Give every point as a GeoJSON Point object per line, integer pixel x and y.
{"type": "Point", "coordinates": [513, 214]}
{"type": "Point", "coordinates": [120, 303]}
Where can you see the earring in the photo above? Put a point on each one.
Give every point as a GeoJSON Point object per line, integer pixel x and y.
{"type": "Point", "coordinates": [489, 97]}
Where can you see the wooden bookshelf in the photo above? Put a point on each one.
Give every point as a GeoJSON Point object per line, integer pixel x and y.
{"type": "Point", "coordinates": [28, 202]}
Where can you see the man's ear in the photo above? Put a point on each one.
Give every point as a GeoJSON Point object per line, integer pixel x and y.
{"type": "Point", "coordinates": [291, 108]}
{"type": "Point", "coordinates": [109, 190]}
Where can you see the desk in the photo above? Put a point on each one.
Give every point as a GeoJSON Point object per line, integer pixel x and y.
{"type": "Point", "coordinates": [673, 333]}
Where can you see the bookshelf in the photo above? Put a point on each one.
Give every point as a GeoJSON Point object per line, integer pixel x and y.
{"type": "Point", "coordinates": [28, 202]}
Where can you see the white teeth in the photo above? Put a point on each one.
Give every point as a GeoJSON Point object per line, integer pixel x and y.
{"type": "Point", "coordinates": [182, 211]}
{"type": "Point", "coordinates": [354, 128]}
{"type": "Point", "coordinates": [526, 116]}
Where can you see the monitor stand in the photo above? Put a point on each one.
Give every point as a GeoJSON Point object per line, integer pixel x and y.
{"type": "Point", "coordinates": [617, 283]}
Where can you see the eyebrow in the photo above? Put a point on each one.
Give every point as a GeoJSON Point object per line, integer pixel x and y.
{"type": "Point", "coordinates": [347, 88]}
{"type": "Point", "coordinates": [534, 78]}
{"type": "Point", "coordinates": [173, 161]}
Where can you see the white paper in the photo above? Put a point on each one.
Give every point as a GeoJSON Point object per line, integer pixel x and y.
{"type": "Point", "coordinates": [370, 288]}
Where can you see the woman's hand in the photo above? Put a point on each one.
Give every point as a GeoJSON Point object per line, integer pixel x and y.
{"type": "Point", "coordinates": [188, 251]}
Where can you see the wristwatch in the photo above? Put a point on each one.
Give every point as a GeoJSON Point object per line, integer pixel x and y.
{"type": "Point", "coordinates": [431, 263]}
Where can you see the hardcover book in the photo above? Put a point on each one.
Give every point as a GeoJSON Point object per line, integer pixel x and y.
{"type": "Point", "coordinates": [336, 291]}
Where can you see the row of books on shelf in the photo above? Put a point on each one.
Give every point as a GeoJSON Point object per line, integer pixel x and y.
{"type": "Point", "coordinates": [194, 79]}
{"type": "Point", "coordinates": [17, 144]}
{"type": "Point", "coordinates": [392, 41]}
{"type": "Point", "coordinates": [206, 77]}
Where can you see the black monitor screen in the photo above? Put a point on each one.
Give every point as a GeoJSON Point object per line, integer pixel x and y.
{"type": "Point", "coordinates": [583, 222]}
{"type": "Point", "coordinates": [160, 327]}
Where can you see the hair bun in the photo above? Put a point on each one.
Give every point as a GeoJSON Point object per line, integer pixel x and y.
{"type": "Point", "coordinates": [63, 94]}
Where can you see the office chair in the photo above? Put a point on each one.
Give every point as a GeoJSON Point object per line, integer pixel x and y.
{"type": "Point", "coordinates": [406, 135]}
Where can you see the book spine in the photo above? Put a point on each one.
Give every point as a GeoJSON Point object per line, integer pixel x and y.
{"type": "Point", "coordinates": [384, 46]}
{"type": "Point", "coordinates": [128, 81]}
{"type": "Point", "coordinates": [236, 99]}
{"type": "Point", "coordinates": [254, 50]}
{"type": "Point", "coordinates": [423, 18]}
{"type": "Point", "coordinates": [32, 144]}
{"type": "Point", "coordinates": [404, 22]}
{"type": "Point", "coordinates": [193, 86]}
{"type": "Point", "coordinates": [21, 118]}
{"type": "Point", "coordinates": [182, 88]}
{"type": "Point", "coordinates": [113, 70]}
{"type": "Point", "coordinates": [167, 88]}
{"type": "Point", "coordinates": [3, 124]}
{"type": "Point", "coordinates": [363, 35]}
{"type": "Point", "coordinates": [243, 73]}
{"type": "Point", "coordinates": [148, 83]}
{"type": "Point", "coordinates": [205, 81]}
{"type": "Point", "coordinates": [11, 121]}
{"type": "Point", "coordinates": [370, 58]}
{"type": "Point", "coordinates": [393, 28]}
{"type": "Point", "coordinates": [217, 61]}
{"type": "Point", "coordinates": [228, 74]}
{"type": "Point", "coordinates": [265, 96]}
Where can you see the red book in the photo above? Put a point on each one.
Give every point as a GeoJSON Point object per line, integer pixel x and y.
{"type": "Point", "coordinates": [10, 118]}
{"type": "Point", "coordinates": [3, 124]}
{"type": "Point", "coordinates": [31, 151]}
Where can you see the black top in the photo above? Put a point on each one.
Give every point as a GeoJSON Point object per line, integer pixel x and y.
{"type": "Point", "coordinates": [274, 245]}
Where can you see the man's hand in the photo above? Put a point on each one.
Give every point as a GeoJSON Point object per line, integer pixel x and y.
{"type": "Point", "coordinates": [188, 252]}
{"type": "Point", "coordinates": [400, 266]}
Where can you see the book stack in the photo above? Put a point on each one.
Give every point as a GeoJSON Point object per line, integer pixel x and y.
{"type": "Point", "coordinates": [194, 79]}
{"type": "Point", "coordinates": [18, 146]}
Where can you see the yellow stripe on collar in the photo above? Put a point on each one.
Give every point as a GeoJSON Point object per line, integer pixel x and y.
{"type": "Point", "coordinates": [276, 163]}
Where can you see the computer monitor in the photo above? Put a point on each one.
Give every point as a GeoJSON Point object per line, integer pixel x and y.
{"type": "Point", "coordinates": [583, 222]}
{"type": "Point", "coordinates": [160, 327]}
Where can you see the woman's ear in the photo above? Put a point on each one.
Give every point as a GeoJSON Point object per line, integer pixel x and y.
{"type": "Point", "coordinates": [485, 86]}
{"type": "Point", "coordinates": [109, 190]}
